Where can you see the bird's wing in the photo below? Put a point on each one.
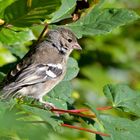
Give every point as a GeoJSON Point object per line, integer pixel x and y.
{"type": "Point", "coordinates": [34, 74]}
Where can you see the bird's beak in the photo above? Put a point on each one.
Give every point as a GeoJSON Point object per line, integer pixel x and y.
{"type": "Point", "coordinates": [77, 46]}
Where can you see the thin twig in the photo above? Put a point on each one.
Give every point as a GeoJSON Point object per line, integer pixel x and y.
{"type": "Point", "coordinates": [70, 111]}
{"type": "Point", "coordinates": [85, 129]}
{"type": "Point", "coordinates": [42, 33]}
{"type": "Point", "coordinates": [104, 108]}
{"type": "Point", "coordinates": [74, 112]}
{"type": "Point", "coordinates": [74, 127]}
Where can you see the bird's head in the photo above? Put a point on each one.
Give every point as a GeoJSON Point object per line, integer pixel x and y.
{"type": "Point", "coordinates": [64, 40]}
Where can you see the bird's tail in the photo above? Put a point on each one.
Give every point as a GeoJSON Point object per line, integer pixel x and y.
{"type": "Point", "coordinates": [7, 92]}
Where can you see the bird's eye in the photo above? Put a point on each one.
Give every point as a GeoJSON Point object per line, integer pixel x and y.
{"type": "Point", "coordinates": [69, 40]}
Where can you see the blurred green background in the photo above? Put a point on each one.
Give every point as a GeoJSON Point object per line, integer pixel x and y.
{"type": "Point", "coordinates": [111, 58]}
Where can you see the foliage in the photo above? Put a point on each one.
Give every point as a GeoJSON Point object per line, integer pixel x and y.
{"type": "Point", "coordinates": [21, 22]}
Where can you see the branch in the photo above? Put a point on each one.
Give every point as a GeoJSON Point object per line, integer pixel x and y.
{"type": "Point", "coordinates": [45, 30]}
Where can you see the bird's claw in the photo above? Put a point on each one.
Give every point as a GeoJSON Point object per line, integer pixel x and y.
{"type": "Point", "coordinates": [49, 105]}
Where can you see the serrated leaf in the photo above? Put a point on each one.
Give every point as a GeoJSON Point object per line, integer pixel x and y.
{"type": "Point", "coordinates": [121, 128]}
{"type": "Point", "coordinates": [29, 12]}
{"type": "Point", "coordinates": [72, 69]}
{"type": "Point", "coordinates": [101, 21]}
{"type": "Point", "coordinates": [123, 97]}
{"type": "Point", "coordinates": [64, 11]}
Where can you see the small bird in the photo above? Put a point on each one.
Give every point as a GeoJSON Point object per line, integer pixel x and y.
{"type": "Point", "coordinates": [42, 68]}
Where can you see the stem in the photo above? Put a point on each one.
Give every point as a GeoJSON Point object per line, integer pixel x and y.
{"type": "Point", "coordinates": [85, 129]}
{"type": "Point", "coordinates": [42, 33]}
{"type": "Point", "coordinates": [70, 111]}
{"type": "Point", "coordinates": [74, 127]}
{"type": "Point", "coordinates": [75, 112]}
{"type": "Point", "coordinates": [104, 108]}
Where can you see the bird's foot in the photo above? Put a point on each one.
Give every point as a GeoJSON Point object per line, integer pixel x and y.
{"type": "Point", "coordinates": [49, 105]}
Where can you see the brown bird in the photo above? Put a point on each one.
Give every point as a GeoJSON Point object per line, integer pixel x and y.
{"type": "Point", "coordinates": [42, 68]}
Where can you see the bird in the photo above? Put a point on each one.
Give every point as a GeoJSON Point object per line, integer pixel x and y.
{"type": "Point", "coordinates": [42, 68]}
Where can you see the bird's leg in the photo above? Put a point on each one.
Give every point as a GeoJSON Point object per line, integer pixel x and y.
{"type": "Point", "coordinates": [47, 104]}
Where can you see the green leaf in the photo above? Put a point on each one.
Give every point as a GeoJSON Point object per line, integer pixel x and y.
{"type": "Point", "coordinates": [60, 95]}
{"type": "Point", "coordinates": [2, 75]}
{"type": "Point", "coordinates": [25, 13]}
{"type": "Point", "coordinates": [101, 21]}
{"type": "Point", "coordinates": [94, 110]}
{"type": "Point", "coordinates": [58, 103]}
{"type": "Point", "coordinates": [15, 40]}
{"type": "Point", "coordinates": [72, 69]}
{"type": "Point", "coordinates": [3, 5]}
{"type": "Point", "coordinates": [5, 56]}
{"type": "Point", "coordinates": [123, 97]}
{"type": "Point", "coordinates": [11, 37]}
{"type": "Point", "coordinates": [64, 11]}
{"type": "Point", "coordinates": [120, 128]}
{"type": "Point", "coordinates": [37, 30]}
{"type": "Point", "coordinates": [62, 91]}
{"type": "Point", "coordinates": [45, 115]}
{"type": "Point", "coordinates": [26, 122]}
{"type": "Point", "coordinates": [4, 106]}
